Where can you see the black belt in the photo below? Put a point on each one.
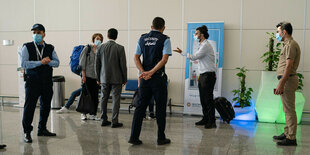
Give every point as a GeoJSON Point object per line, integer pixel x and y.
{"type": "Point", "coordinates": [208, 73]}
{"type": "Point", "coordinates": [280, 76]}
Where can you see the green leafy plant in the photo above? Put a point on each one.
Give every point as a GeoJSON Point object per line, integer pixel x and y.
{"type": "Point", "coordinates": [300, 83]}
{"type": "Point", "coordinates": [271, 57]}
{"type": "Point", "coordinates": [243, 94]}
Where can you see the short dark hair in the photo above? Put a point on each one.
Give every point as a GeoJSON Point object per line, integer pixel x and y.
{"type": "Point", "coordinates": [158, 23]}
{"type": "Point", "coordinates": [95, 35]}
{"type": "Point", "coordinates": [112, 33]}
{"type": "Point", "coordinates": [286, 26]}
{"type": "Point", "coordinates": [204, 30]}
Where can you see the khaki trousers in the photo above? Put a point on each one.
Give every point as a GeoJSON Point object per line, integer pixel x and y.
{"type": "Point", "coordinates": [288, 102]}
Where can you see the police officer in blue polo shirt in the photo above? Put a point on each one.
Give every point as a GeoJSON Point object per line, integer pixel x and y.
{"type": "Point", "coordinates": [38, 58]}
{"type": "Point", "coordinates": [155, 48]}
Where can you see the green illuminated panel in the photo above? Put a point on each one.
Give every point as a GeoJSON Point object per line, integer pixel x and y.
{"type": "Point", "coordinates": [268, 106]}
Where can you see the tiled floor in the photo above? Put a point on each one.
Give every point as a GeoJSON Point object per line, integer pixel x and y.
{"type": "Point", "coordinates": [88, 137]}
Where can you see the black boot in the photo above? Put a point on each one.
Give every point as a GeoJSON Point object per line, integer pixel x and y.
{"type": "Point", "coordinates": [287, 142]}
{"type": "Point", "coordinates": [45, 132]}
{"type": "Point", "coordinates": [27, 138]}
{"type": "Point", "coordinates": [116, 125]}
{"type": "Point", "coordinates": [105, 123]}
{"type": "Point", "coordinates": [163, 141]}
{"type": "Point", "coordinates": [280, 137]}
{"type": "Point", "coordinates": [135, 142]}
{"type": "Point", "coordinates": [210, 125]}
{"type": "Point", "coordinates": [201, 122]}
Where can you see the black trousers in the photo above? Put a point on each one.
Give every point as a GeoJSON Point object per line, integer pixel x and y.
{"type": "Point", "coordinates": [33, 92]}
{"type": "Point", "coordinates": [157, 87]}
{"type": "Point", "coordinates": [93, 88]}
{"type": "Point", "coordinates": [206, 84]}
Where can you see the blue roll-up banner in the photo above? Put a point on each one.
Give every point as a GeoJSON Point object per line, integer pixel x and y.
{"type": "Point", "coordinates": [191, 95]}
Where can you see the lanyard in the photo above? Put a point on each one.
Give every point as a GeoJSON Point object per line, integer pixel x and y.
{"type": "Point", "coordinates": [38, 52]}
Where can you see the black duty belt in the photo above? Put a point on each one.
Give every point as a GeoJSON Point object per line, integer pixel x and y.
{"type": "Point", "coordinates": [208, 73]}
{"type": "Point", "coordinates": [280, 76]}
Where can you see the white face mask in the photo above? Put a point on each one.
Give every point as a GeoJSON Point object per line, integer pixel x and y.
{"type": "Point", "coordinates": [97, 42]}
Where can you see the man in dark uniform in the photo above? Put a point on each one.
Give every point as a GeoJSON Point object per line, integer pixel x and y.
{"type": "Point", "coordinates": [38, 58]}
{"type": "Point", "coordinates": [155, 47]}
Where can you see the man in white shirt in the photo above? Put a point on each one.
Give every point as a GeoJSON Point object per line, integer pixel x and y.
{"type": "Point", "coordinates": [206, 68]}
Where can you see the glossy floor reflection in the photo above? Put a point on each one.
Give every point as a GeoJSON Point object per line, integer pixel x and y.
{"type": "Point", "coordinates": [88, 137]}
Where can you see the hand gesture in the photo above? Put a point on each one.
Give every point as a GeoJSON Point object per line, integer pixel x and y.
{"type": "Point", "coordinates": [178, 50]}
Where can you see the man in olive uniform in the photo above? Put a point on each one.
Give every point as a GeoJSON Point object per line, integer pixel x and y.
{"type": "Point", "coordinates": [288, 82]}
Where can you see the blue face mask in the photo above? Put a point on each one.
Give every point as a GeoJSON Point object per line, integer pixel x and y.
{"type": "Point", "coordinates": [37, 38]}
{"type": "Point", "coordinates": [97, 42]}
{"type": "Point", "coordinates": [278, 37]}
{"type": "Point", "coordinates": [196, 38]}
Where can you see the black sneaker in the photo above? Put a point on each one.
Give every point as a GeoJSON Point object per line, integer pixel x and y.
{"type": "Point", "coordinates": [210, 125]}
{"type": "Point", "coordinates": [287, 142]}
{"type": "Point", "coordinates": [163, 142]}
{"type": "Point", "coordinates": [46, 133]}
{"type": "Point", "coordinates": [280, 137]}
{"type": "Point", "coordinates": [2, 146]}
{"type": "Point", "coordinates": [116, 125]}
{"type": "Point", "coordinates": [201, 122]}
{"type": "Point", "coordinates": [105, 123]}
{"type": "Point", "coordinates": [27, 138]}
{"type": "Point", "coordinates": [135, 142]}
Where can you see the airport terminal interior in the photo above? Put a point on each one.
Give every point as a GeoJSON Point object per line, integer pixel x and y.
{"type": "Point", "coordinates": [249, 47]}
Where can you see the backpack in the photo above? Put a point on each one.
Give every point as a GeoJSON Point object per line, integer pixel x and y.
{"type": "Point", "coordinates": [75, 58]}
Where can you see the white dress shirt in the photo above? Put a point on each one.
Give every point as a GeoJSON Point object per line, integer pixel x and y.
{"type": "Point", "coordinates": [205, 56]}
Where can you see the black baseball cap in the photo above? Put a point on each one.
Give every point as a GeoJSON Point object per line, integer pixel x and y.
{"type": "Point", "coordinates": [39, 27]}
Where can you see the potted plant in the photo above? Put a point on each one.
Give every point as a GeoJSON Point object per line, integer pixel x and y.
{"type": "Point", "coordinates": [243, 94]}
{"type": "Point", "coordinates": [243, 106]}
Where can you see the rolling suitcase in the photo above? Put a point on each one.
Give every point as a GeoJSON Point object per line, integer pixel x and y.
{"type": "Point", "coordinates": [224, 108]}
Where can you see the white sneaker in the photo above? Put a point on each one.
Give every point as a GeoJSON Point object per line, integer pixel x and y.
{"type": "Point", "coordinates": [94, 117]}
{"type": "Point", "coordinates": [62, 110]}
{"type": "Point", "coordinates": [83, 117]}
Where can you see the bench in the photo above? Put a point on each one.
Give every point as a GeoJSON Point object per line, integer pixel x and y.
{"type": "Point", "coordinates": [6, 96]}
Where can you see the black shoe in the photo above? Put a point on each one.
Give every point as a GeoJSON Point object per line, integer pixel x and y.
{"type": "Point", "coordinates": [2, 146]}
{"type": "Point", "coordinates": [163, 142]}
{"type": "Point", "coordinates": [105, 123]}
{"type": "Point", "coordinates": [287, 142]}
{"type": "Point", "coordinates": [210, 125]}
{"type": "Point", "coordinates": [46, 133]}
{"type": "Point", "coordinates": [201, 122]}
{"type": "Point", "coordinates": [117, 125]}
{"type": "Point", "coordinates": [152, 115]}
{"type": "Point", "coordinates": [281, 137]}
{"type": "Point", "coordinates": [135, 142]}
{"type": "Point", "coordinates": [27, 138]}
